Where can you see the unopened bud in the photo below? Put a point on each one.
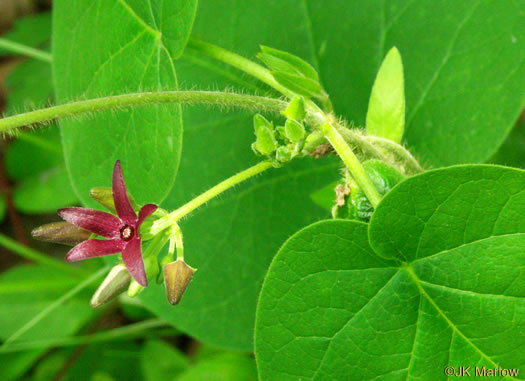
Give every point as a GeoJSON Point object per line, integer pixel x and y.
{"type": "Point", "coordinates": [294, 131]}
{"type": "Point", "coordinates": [61, 232]}
{"type": "Point", "coordinates": [295, 109]}
{"type": "Point", "coordinates": [104, 196]}
{"type": "Point", "coordinates": [116, 281]}
{"type": "Point", "coordinates": [283, 154]}
{"type": "Point", "coordinates": [265, 142]}
{"type": "Point", "coordinates": [177, 276]}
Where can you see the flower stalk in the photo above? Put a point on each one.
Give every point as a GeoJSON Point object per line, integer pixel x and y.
{"type": "Point", "coordinates": [173, 217]}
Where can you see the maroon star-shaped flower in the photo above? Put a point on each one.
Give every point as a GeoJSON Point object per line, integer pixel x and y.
{"type": "Point", "coordinates": [122, 231]}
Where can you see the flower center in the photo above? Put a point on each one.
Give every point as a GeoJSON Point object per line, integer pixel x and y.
{"type": "Point", "coordinates": [127, 232]}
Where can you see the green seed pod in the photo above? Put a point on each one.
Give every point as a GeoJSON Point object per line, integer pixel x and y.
{"type": "Point", "coordinates": [265, 142]}
{"type": "Point", "coordinates": [294, 131]}
{"type": "Point", "coordinates": [295, 109]}
{"type": "Point", "coordinates": [61, 232]}
{"type": "Point", "coordinates": [114, 283]}
{"type": "Point", "coordinates": [177, 276]}
{"type": "Point", "coordinates": [384, 178]}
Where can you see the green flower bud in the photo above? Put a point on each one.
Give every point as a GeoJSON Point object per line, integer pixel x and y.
{"type": "Point", "coordinates": [104, 196]}
{"type": "Point", "coordinates": [265, 142]}
{"type": "Point", "coordinates": [295, 109]}
{"type": "Point", "coordinates": [283, 154]}
{"type": "Point", "coordinates": [177, 276]}
{"type": "Point", "coordinates": [294, 131]}
{"type": "Point", "coordinates": [114, 283]}
{"type": "Point", "coordinates": [61, 232]}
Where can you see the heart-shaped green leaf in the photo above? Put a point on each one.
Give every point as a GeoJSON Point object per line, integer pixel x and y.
{"type": "Point", "coordinates": [449, 294]}
{"type": "Point", "coordinates": [145, 38]}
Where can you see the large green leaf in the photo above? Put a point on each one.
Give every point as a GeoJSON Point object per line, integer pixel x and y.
{"type": "Point", "coordinates": [118, 46]}
{"type": "Point", "coordinates": [449, 294]}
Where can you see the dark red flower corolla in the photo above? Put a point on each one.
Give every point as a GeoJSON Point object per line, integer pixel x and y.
{"type": "Point", "coordinates": [122, 232]}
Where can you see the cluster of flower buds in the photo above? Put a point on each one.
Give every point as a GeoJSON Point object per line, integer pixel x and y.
{"type": "Point", "coordinates": [124, 232]}
{"type": "Point", "coordinates": [282, 143]}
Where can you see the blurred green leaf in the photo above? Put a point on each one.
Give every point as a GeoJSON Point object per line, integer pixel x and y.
{"type": "Point", "coordinates": [45, 192]}
{"type": "Point", "coordinates": [139, 56]}
{"type": "Point", "coordinates": [161, 361]}
{"type": "Point", "coordinates": [32, 31]}
{"type": "Point", "coordinates": [24, 292]}
{"type": "Point", "coordinates": [33, 153]}
{"type": "Point", "coordinates": [29, 86]}
{"type": "Point", "coordinates": [222, 367]}
{"type": "Point", "coordinates": [102, 362]}
{"type": "Point", "coordinates": [50, 366]}
{"type": "Point", "coordinates": [386, 111]}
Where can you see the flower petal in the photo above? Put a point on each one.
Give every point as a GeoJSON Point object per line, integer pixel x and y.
{"type": "Point", "coordinates": [95, 248]}
{"type": "Point", "coordinates": [101, 223]}
{"type": "Point", "coordinates": [145, 212]}
{"type": "Point", "coordinates": [132, 257]}
{"type": "Point", "coordinates": [120, 196]}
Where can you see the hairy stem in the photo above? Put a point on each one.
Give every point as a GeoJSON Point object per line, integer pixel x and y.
{"type": "Point", "coordinates": [33, 255]}
{"type": "Point", "coordinates": [239, 62]}
{"type": "Point", "coordinates": [203, 198]}
{"type": "Point", "coordinates": [399, 152]}
{"type": "Point", "coordinates": [141, 99]}
{"type": "Point", "coordinates": [352, 163]}
{"type": "Point", "coordinates": [24, 50]}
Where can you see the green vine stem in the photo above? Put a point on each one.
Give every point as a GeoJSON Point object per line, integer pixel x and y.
{"type": "Point", "coordinates": [24, 50]}
{"type": "Point", "coordinates": [173, 217]}
{"type": "Point", "coordinates": [400, 153]}
{"type": "Point", "coordinates": [352, 163]}
{"type": "Point", "coordinates": [224, 99]}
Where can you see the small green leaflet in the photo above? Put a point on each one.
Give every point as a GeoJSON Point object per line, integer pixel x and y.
{"type": "Point", "coordinates": [386, 111]}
